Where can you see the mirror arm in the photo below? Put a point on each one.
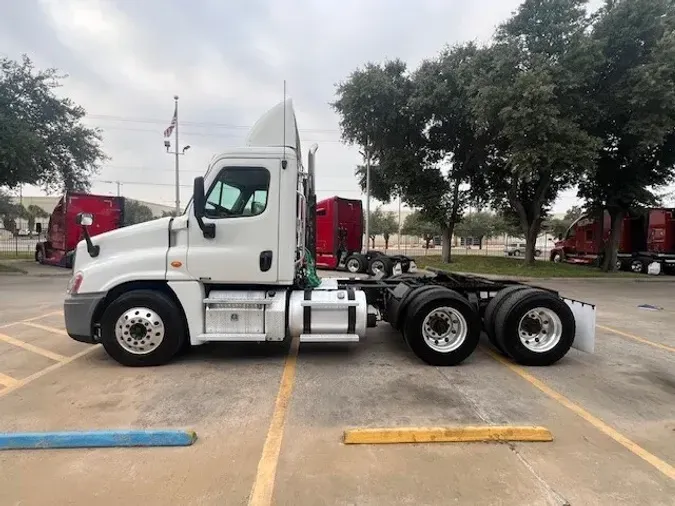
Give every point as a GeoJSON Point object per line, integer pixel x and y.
{"type": "Point", "coordinates": [92, 249]}
{"type": "Point", "coordinates": [208, 229]}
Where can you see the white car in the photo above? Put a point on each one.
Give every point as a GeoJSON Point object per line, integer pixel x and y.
{"type": "Point", "coordinates": [518, 249]}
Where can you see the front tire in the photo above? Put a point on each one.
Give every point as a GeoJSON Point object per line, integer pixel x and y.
{"type": "Point", "coordinates": [638, 266]}
{"type": "Point", "coordinates": [40, 256]}
{"type": "Point", "coordinates": [142, 328]}
{"type": "Point", "coordinates": [557, 258]}
{"type": "Point", "coordinates": [442, 328]}
{"type": "Point", "coordinates": [535, 327]}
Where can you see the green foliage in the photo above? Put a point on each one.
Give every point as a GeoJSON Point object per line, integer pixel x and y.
{"type": "Point", "coordinates": [417, 225]}
{"type": "Point", "coordinates": [528, 98]}
{"type": "Point", "coordinates": [135, 212]}
{"type": "Point", "coordinates": [169, 214]}
{"type": "Point", "coordinates": [382, 223]}
{"type": "Point", "coordinates": [573, 213]}
{"type": "Point", "coordinates": [42, 138]}
{"type": "Point", "coordinates": [31, 214]}
{"type": "Point", "coordinates": [478, 225]}
{"type": "Point", "coordinates": [633, 108]}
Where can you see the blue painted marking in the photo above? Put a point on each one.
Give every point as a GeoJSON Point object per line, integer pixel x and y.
{"type": "Point", "coordinates": [95, 439]}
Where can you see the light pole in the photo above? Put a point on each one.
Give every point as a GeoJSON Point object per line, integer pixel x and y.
{"type": "Point", "coordinates": [177, 151]}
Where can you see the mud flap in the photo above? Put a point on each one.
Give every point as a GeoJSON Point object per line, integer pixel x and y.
{"type": "Point", "coordinates": [584, 315]}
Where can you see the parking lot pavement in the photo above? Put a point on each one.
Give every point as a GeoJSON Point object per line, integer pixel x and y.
{"type": "Point", "coordinates": [610, 413]}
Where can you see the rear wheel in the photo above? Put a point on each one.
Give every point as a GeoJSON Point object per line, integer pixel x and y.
{"type": "Point", "coordinates": [356, 263]}
{"type": "Point", "coordinates": [442, 328]}
{"type": "Point", "coordinates": [535, 327]}
{"type": "Point", "coordinates": [380, 264]}
{"type": "Point", "coordinates": [638, 265]}
{"type": "Point", "coordinates": [142, 328]}
{"type": "Point", "coordinates": [491, 311]}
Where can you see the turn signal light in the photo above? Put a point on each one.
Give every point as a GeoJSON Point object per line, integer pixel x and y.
{"type": "Point", "coordinates": [74, 283]}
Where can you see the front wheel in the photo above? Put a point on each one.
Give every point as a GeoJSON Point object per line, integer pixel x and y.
{"type": "Point", "coordinates": [638, 266]}
{"type": "Point", "coordinates": [142, 328]}
{"type": "Point", "coordinates": [557, 257]}
{"type": "Point", "coordinates": [40, 256]}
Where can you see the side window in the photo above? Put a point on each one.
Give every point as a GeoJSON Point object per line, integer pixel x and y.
{"type": "Point", "coordinates": [238, 191]}
{"type": "Point", "coordinates": [589, 234]}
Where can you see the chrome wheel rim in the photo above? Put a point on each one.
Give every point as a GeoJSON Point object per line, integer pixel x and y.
{"type": "Point", "coordinates": [557, 258]}
{"type": "Point", "coordinates": [353, 265]}
{"type": "Point", "coordinates": [540, 329]}
{"type": "Point", "coordinates": [139, 330]}
{"type": "Point", "coordinates": [618, 265]}
{"type": "Point", "coordinates": [377, 266]}
{"type": "Point", "coordinates": [636, 266]}
{"type": "Point", "coordinates": [444, 329]}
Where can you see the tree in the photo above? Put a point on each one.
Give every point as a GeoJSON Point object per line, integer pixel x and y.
{"type": "Point", "coordinates": [478, 226]}
{"type": "Point", "coordinates": [416, 225]}
{"type": "Point", "coordinates": [31, 214]}
{"type": "Point", "coordinates": [172, 214]}
{"type": "Point", "coordinates": [42, 138]}
{"type": "Point", "coordinates": [573, 213]}
{"type": "Point", "coordinates": [633, 109]}
{"type": "Point", "coordinates": [528, 99]}
{"type": "Point", "coordinates": [135, 212]}
{"type": "Point", "coordinates": [382, 223]}
{"type": "Point", "coordinates": [418, 132]}
{"type": "Point", "coordinates": [9, 211]}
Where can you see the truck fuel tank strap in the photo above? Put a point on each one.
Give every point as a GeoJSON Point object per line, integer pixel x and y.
{"type": "Point", "coordinates": [351, 312]}
{"type": "Point", "coordinates": [307, 314]}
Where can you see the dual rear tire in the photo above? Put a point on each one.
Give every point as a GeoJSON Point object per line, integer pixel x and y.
{"type": "Point", "coordinates": [532, 326]}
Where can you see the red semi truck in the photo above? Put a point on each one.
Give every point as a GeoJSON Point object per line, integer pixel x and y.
{"type": "Point", "coordinates": [644, 238]}
{"type": "Point", "coordinates": [339, 240]}
{"type": "Point", "coordinates": [63, 233]}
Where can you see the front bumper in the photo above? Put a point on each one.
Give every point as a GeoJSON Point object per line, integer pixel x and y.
{"type": "Point", "coordinates": [78, 311]}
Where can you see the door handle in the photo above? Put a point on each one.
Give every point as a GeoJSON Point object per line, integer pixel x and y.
{"type": "Point", "coordinates": [265, 261]}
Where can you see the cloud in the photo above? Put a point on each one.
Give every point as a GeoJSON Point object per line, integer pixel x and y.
{"type": "Point", "coordinates": [227, 61]}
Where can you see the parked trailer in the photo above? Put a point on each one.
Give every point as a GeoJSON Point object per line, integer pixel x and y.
{"type": "Point", "coordinates": [236, 267]}
{"type": "Point", "coordinates": [644, 238]}
{"type": "Point", "coordinates": [339, 241]}
{"type": "Point", "coordinates": [63, 233]}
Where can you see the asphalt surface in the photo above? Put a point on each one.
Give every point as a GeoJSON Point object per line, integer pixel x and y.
{"type": "Point", "coordinates": [611, 413]}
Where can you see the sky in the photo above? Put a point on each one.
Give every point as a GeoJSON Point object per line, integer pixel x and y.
{"type": "Point", "coordinates": [227, 61]}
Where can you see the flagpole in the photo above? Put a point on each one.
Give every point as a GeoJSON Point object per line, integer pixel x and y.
{"type": "Point", "coordinates": [175, 98]}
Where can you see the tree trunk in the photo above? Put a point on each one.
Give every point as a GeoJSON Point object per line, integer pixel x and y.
{"type": "Point", "coordinates": [446, 243]}
{"type": "Point", "coordinates": [386, 242]}
{"type": "Point", "coordinates": [612, 246]}
{"type": "Point", "coordinates": [480, 242]}
{"type": "Point", "coordinates": [531, 243]}
{"type": "Point", "coordinates": [372, 239]}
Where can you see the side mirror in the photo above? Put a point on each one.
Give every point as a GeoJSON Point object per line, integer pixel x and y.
{"type": "Point", "coordinates": [198, 204]}
{"type": "Point", "coordinates": [84, 219]}
{"type": "Point", "coordinates": [38, 227]}
{"type": "Point", "coordinates": [198, 198]}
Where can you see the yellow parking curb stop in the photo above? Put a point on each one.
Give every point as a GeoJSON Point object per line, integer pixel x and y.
{"type": "Point", "coordinates": [455, 434]}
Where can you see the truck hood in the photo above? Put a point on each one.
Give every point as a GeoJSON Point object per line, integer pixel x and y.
{"type": "Point", "coordinates": [135, 251]}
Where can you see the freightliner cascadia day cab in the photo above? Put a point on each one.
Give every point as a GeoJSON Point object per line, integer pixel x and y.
{"type": "Point", "coordinates": [238, 266]}
{"type": "Point", "coordinates": [339, 241]}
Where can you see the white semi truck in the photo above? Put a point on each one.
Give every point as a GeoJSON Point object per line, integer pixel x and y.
{"type": "Point", "coordinates": [237, 266]}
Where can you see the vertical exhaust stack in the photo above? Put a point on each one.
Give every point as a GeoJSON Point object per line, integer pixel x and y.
{"type": "Point", "coordinates": [311, 202]}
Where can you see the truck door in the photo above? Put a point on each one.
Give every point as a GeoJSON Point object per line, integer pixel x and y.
{"type": "Point", "coordinates": [242, 201]}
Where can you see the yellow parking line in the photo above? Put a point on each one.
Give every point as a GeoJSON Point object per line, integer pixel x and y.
{"type": "Point", "coordinates": [7, 381]}
{"type": "Point", "coordinates": [457, 434]}
{"type": "Point", "coordinates": [263, 486]}
{"type": "Point", "coordinates": [33, 348]}
{"type": "Point", "coordinates": [636, 449]}
{"type": "Point", "coordinates": [45, 327]}
{"type": "Point", "coordinates": [637, 338]}
{"type": "Point", "coordinates": [46, 370]}
{"type": "Point", "coordinates": [53, 313]}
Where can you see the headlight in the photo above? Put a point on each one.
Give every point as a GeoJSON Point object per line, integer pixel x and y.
{"type": "Point", "coordinates": [74, 283]}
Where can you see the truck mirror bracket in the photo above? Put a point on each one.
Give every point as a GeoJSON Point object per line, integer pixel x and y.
{"type": "Point", "coordinates": [92, 249]}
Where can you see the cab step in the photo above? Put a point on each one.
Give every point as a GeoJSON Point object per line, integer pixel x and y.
{"type": "Point", "coordinates": [329, 338]}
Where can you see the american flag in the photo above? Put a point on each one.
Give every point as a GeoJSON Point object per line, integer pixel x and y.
{"type": "Point", "coordinates": [169, 130]}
